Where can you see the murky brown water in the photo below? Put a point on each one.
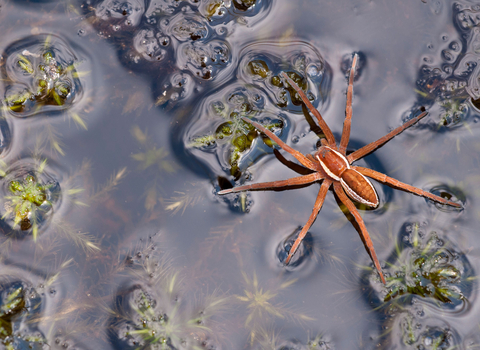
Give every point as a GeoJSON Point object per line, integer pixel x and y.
{"type": "Point", "coordinates": [122, 120]}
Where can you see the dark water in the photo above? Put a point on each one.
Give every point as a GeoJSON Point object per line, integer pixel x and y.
{"type": "Point", "coordinates": [121, 122]}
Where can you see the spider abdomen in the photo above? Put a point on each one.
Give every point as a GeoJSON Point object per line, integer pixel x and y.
{"type": "Point", "coordinates": [359, 188]}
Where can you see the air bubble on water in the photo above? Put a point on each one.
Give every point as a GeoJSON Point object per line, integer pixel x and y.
{"type": "Point", "coordinates": [164, 22]}
{"type": "Point", "coordinates": [427, 341]}
{"type": "Point", "coordinates": [427, 59]}
{"type": "Point", "coordinates": [295, 138]}
{"type": "Point", "coordinates": [312, 71]}
{"type": "Point", "coordinates": [447, 55]}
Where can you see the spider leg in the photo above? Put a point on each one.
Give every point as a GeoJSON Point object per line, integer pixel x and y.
{"type": "Point", "coordinates": [362, 152]}
{"type": "Point", "coordinates": [316, 208]}
{"type": "Point", "coordinates": [403, 186]}
{"type": "Point", "coordinates": [363, 230]}
{"type": "Point", "coordinates": [317, 164]}
{"type": "Point", "coordinates": [299, 156]}
{"type": "Point", "coordinates": [299, 180]}
{"type": "Point", "coordinates": [348, 110]}
{"type": "Point", "coordinates": [326, 130]}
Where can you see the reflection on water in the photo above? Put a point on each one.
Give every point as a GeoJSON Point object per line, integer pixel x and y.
{"type": "Point", "coordinates": [121, 120]}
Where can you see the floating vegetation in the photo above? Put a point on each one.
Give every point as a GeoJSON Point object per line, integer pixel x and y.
{"type": "Point", "coordinates": [153, 325]}
{"type": "Point", "coordinates": [35, 199]}
{"type": "Point", "coordinates": [449, 93]}
{"type": "Point", "coordinates": [18, 302]}
{"type": "Point", "coordinates": [42, 75]}
{"type": "Point", "coordinates": [465, 18]}
{"type": "Point", "coordinates": [428, 267]}
{"type": "Point", "coordinates": [453, 84]}
{"type": "Point", "coordinates": [152, 314]}
{"type": "Point", "coordinates": [219, 130]}
{"type": "Point", "coordinates": [29, 195]}
{"type": "Point", "coordinates": [320, 342]}
{"type": "Point", "coordinates": [175, 38]}
{"type": "Point", "coordinates": [455, 111]}
{"type": "Point", "coordinates": [414, 327]}
{"type": "Point", "coordinates": [268, 339]}
{"type": "Point", "coordinates": [164, 64]}
{"type": "Point", "coordinates": [128, 12]}
{"type": "Point", "coordinates": [233, 139]}
{"type": "Point", "coordinates": [45, 75]}
{"type": "Point", "coordinates": [262, 63]}
{"type": "Point", "coordinates": [205, 61]}
{"type": "Point", "coordinates": [28, 304]}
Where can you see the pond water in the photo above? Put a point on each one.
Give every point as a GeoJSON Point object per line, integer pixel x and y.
{"type": "Point", "coordinates": [121, 120]}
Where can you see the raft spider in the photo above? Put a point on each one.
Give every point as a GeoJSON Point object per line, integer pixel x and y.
{"type": "Point", "coordinates": [333, 166]}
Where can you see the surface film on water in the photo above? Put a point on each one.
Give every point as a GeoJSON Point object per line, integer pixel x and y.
{"type": "Point", "coordinates": [121, 120]}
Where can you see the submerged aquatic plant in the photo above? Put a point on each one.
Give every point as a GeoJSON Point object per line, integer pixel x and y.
{"type": "Point", "coordinates": [155, 327]}
{"type": "Point", "coordinates": [184, 199]}
{"type": "Point", "coordinates": [152, 157]}
{"type": "Point", "coordinates": [271, 339]}
{"type": "Point", "coordinates": [261, 307]}
{"type": "Point", "coordinates": [152, 313]}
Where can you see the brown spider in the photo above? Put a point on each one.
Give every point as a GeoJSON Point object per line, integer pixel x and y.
{"type": "Point", "coordinates": [331, 164]}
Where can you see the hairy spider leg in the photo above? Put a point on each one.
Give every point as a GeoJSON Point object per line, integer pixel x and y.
{"type": "Point", "coordinates": [317, 164]}
{"type": "Point", "coordinates": [299, 156]}
{"type": "Point", "coordinates": [316, 208]}
{"type": "Point", "coordinates": [362, 152]}
{"type": "Point", "coordinates": [403, 186]}
{"type": "Point", "coordinates": [294, 181]}
{"type": "Point", "coordinates": [363, 229]}
{"type": "Point", "coordinates": [326, 130]}
{"type": "Point", "coordinates": [348, 109]}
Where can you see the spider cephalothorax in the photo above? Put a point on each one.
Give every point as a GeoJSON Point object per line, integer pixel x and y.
{"type": "Point", "coordinates": [332, 166]}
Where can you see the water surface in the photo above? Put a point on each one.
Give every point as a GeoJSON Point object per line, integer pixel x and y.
{"type": "Point", "coordinates": [121, 122]}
